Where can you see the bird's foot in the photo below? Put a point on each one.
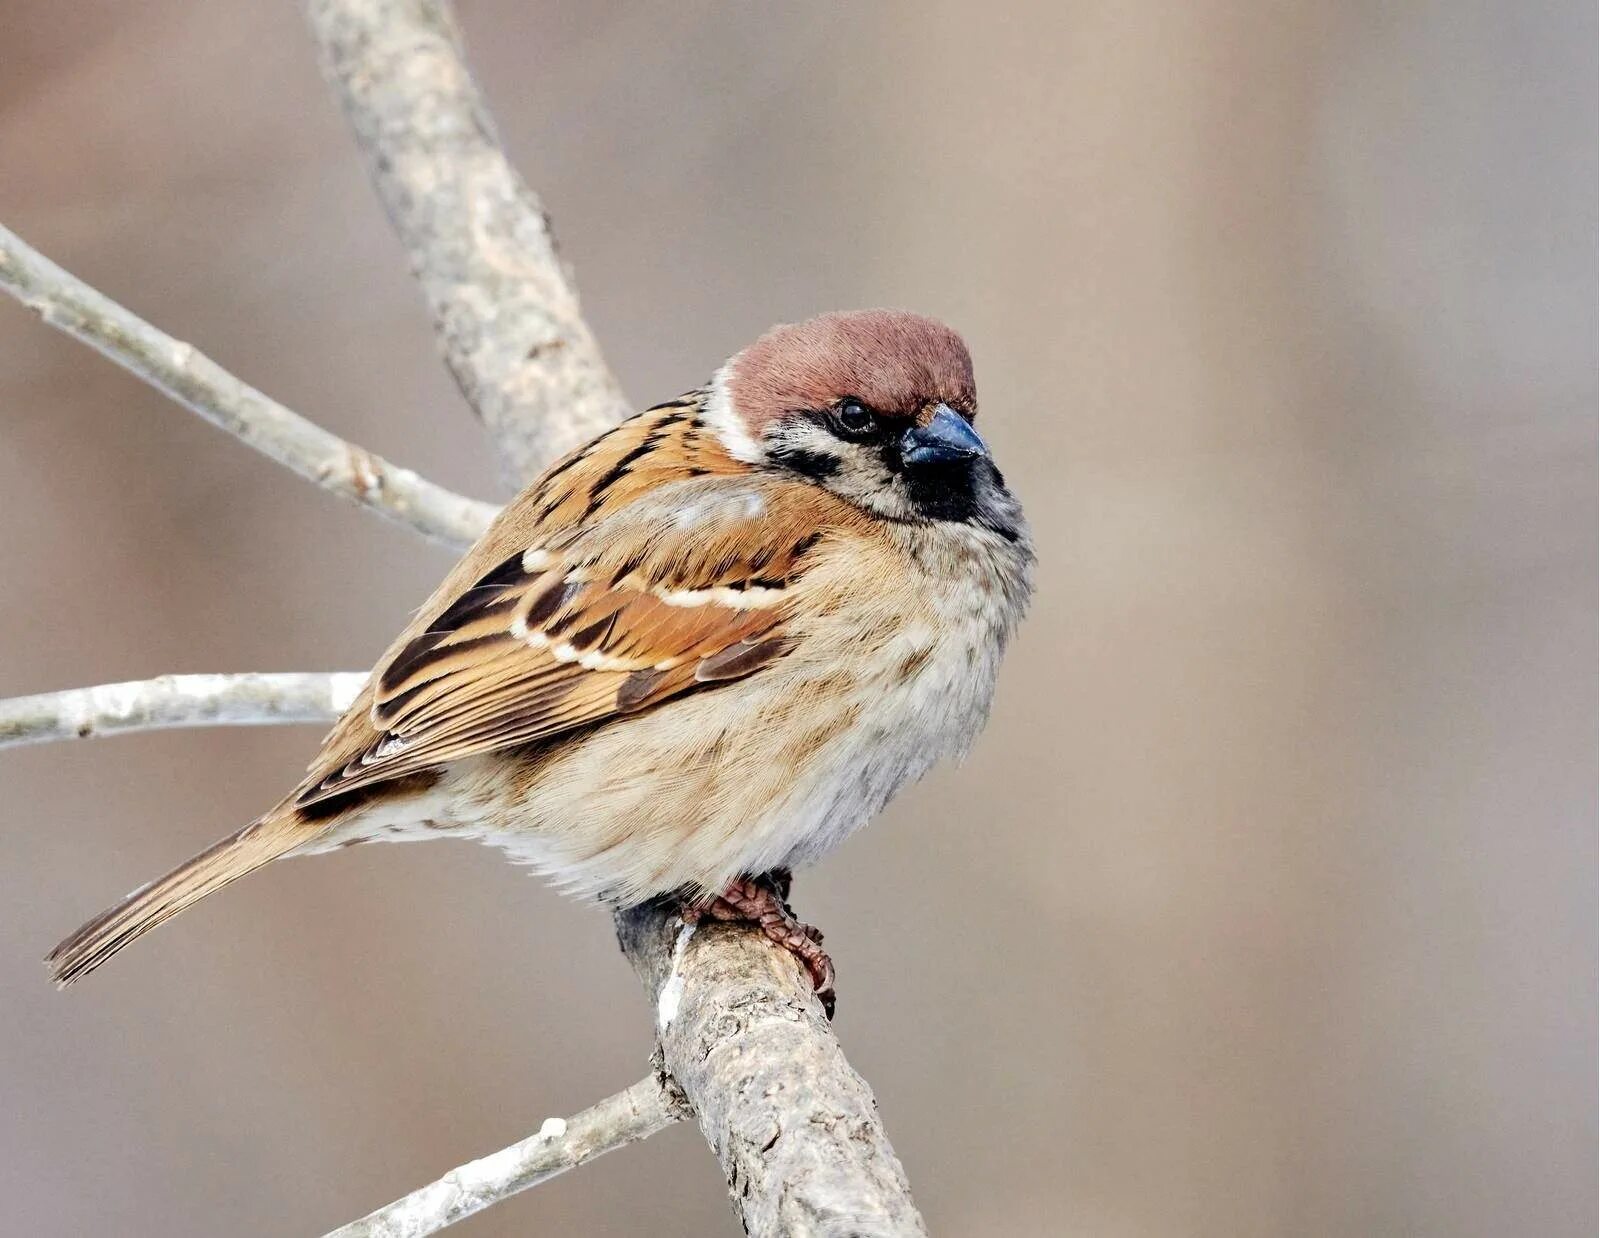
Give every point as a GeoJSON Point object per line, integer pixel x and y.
{"type": "Point", "coordinates": [760, 901]}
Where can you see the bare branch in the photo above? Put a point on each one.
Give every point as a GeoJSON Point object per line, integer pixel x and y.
{"type": "Point", "coordinates": [178, 700]}
{"type": "Point", "coordinates": [202, 386]}
{"type": "Point", "coordinates": [796, 1129]}
{"type": "Point", "coordinates": [504, 308]}
{"type": "Point", "coordinates": [631, 1115]}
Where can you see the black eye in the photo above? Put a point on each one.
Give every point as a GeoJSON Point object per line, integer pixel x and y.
{"type": "Point", "coordinates": [855, 418]}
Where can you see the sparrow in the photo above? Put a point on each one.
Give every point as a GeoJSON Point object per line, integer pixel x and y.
{"type": "Point", "coordinates": [702, 649]}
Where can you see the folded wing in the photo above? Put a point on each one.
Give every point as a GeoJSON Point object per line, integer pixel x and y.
{"type": "Point", "coordinates": [688, 587]}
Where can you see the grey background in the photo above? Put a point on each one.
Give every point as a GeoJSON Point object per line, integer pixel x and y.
{"type": "Point", "coordinates": [1265, 906]}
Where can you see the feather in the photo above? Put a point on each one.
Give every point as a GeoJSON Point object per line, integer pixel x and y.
{"type": "Point", "coordinates": [591, 637]}
{"type": "Point", "coordinates": [639, 568]}
{"type": "Point", "coordinates": [150, 905]}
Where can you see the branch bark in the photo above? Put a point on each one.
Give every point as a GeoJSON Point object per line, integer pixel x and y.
{"type": "Point", "coordinates": [201, 385]}
{"type": "Point", "coordinates": [504, 308]}
{"type": "Point", "coordinates": [178, 700]}
{"type": "Point", "coordinates": [796, 1130]}
{"type": "Point", "coordinates": [631, 1115]}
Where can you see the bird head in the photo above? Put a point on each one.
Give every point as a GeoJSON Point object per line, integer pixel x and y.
{"type": "Point", "coordinates": [876, 406]}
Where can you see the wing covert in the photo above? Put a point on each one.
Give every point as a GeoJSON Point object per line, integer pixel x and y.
{"type": "Point", "coordinates": [685, 588]}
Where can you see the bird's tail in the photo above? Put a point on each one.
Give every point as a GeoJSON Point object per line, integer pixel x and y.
{"type": "Point", "coordinates": [258, 843]}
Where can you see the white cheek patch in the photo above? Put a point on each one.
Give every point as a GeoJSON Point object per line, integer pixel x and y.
{"type": "Point", "coordinates": [718, 413]}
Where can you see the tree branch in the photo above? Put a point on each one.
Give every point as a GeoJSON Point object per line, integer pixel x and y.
{"type": "Point", "coordinates": [204, 387]}
{"type": "Point", "coordinates": [177, 700]}
{"type": "Point", "coordinates": [504, 308]}
{"type": "Point", "coordinates": [631, 1115]}
{"type": "Point", "coordinates": [796, 1130]}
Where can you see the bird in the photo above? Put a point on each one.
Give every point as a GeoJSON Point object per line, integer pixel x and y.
{"type": "Point", "coordinates": [695, 654]}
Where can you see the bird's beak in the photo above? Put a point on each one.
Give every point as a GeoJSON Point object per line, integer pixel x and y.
{"type": "Point", "coordinates": [947, 438]}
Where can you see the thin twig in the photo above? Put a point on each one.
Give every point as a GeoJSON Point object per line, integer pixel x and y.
{"type": "Point", "coordinates": [192, 379]}
{"type": "Point", "coordinates": [631, 1115]}
{"type": "Point", "coordinates": [178, 700]}
{"type": "Point", "coordinates": [504, 308]}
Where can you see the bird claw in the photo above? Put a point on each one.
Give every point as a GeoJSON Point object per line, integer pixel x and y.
{"type": "Point", "coordinates": [759, 901]}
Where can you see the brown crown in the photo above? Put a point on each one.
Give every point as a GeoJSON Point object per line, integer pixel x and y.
{"type": "Point", "coordinates": [899, 364]}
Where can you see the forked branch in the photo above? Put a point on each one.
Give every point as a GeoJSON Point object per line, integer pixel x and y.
{"type": "Point", "coordinates": [505, 311]}
{"type": "Point", "coordinates": [796, 1130]}
{"type": "Point", "coordinates": [559, 1145]}
{"type": "Point", "coordinates": [742, 1037]}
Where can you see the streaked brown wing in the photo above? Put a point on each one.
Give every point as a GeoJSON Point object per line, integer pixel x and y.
{"type": "Point", "coordinates": [685, 586]}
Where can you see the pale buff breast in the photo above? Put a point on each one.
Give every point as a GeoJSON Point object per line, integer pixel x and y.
{"type": "Point", "coordinates": [777, 769]}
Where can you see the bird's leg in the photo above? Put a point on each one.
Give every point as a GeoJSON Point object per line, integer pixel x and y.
{"type": "Point", "coordinates": [761, 901]}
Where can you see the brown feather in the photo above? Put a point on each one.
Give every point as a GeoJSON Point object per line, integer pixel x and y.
{"type": "Point", "coordinates": [218, 865]}
{"type": "Point", "coordinates": [898, 363]}
{"type": "Point", "coordinates": [645, 566]}
{"type": "Point", "coordinates": [518, 647]}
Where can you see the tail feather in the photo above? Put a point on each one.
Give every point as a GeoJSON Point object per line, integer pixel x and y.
{"type": "Point", "coordinates": [258, 843]}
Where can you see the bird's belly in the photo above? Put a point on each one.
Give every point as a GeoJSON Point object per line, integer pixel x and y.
{"type": "Point", "coordinates": [773, 771]}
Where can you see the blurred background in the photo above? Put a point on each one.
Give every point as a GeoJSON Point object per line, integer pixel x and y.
{"type": "Point", "coordinates": [1266, 905]}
